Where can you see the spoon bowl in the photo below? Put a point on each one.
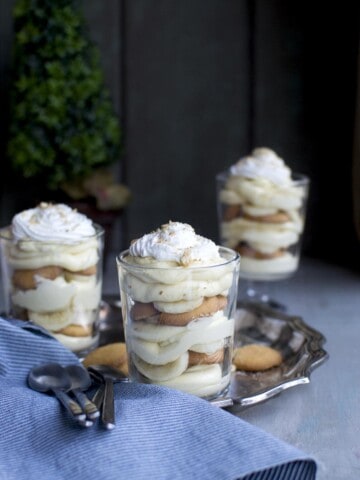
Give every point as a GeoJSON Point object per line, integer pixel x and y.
{"type": "Point", "coordinates": [79, 377]}
{"type": "Point", "coordinates": [81, 381]}
{"type": "Point", "coordinates": [52, 377]}
{"type": "Point", "coordinates": [46, 378]}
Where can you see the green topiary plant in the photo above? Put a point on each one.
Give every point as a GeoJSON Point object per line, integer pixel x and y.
{"type": "Point", "coordinates": [62, 124]}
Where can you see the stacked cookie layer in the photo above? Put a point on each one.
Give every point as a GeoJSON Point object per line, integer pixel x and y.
{"type": "Point", "coordinates": [261, 214]}
{"type": "Point", "coordinates": [178, 330]}
{"type": "Point", "coordinates": [54, 284]}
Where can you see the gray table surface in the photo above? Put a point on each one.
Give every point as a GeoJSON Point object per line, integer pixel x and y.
{"type": "Point", "coordinates": [321, 418]}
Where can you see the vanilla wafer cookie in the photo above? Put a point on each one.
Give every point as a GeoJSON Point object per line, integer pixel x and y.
{"type": "Point", "coordinates": [25, 279]}
{"type": "Point", "coordinates": [112, 354]}
{"type": "Point", "coordinates": [255, 357]}
{"type": "Point", "coordinates": [209, 306]}
{"type": "Point", "coordinates": [196, 358]}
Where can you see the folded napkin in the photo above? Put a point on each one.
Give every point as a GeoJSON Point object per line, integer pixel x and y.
{"type": "Point", "coordinates": [160, 433]}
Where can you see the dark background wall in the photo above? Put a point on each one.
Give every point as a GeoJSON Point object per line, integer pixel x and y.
{"type": "Point", "coordinates": [199, 83]}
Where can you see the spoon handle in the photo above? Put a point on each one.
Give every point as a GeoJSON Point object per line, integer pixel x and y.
{"type": "Point", "coordinates": [108, 411]}
{"type": "Point", "coordinates": [98, 397]}
{"type": "Point", "coordinates": [87, 405]}
{"type": "Point", "coordinates": [71, 406]}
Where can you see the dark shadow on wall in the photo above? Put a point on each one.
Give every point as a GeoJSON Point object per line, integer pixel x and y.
{"type": "Point", "coordinates": [199, 83]}
{"type": "Point", "coordinates": [330, 87]}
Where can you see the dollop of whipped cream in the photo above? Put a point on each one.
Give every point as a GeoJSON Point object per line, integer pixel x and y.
{"type": "Point", "coordinates": [263, 163]}
{"type": "Point", "coordinates": [52, 223]}
{"type": "Point", "coordinates": [177, 242]}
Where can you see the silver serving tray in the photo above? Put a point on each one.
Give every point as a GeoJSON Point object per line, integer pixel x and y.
{"type": "Point", "coordinates": [300, 345]}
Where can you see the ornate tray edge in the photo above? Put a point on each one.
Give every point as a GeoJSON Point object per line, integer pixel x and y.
{"type": "Point", "coordinates": [314, 355]}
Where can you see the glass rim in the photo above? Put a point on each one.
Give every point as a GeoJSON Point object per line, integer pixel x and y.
{"type": "Point", "coordinates": [235, 258]}
{"type": "Point", "coordinates": [296, 177]}
{"type": "Point", "coordinates": [99, 232]}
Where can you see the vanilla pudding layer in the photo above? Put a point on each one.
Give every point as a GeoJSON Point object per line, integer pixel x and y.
{"type": "Point", "coordinates": [161, 352]}
{"type": "Point", "coordinates": [262, 213]}
{"type": "Point", "coordinates": [66, 242]}
{"type": "Point", "coordinates": [166, 346]}
{"type": "Point", "coordinates": [59, 294]}
{"type": "Point", "coordinates": [169, 271]}
{"type": "Point", "coordinates": [260, 192]}
{"type": "Point", "coordinates": [200, 380]}
{"type": "Point", "coordinates": [55, 304]}
{"type": "Point", "coordinates": [30, 255]}
{"type": "Point", "coordinates": [280, 265]}
{"type": "Point", "coordinates": [261, 236]}
{"type": "Point", "coordinates": [76, 344]}
{"type": "Point", "coordinates": [154, 286]}
{"type": "Point", "coordinates": [59, 303]}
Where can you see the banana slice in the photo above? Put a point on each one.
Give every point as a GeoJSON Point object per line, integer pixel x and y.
{"type": "Point", "coordinates": [53, 321]}
{"type": "Point", "coordinates": [162, 373]}
{"type": "Point", "coordinates": [192, 289]}
{"type": "Point", "coordinates": [262, 193]}
{"type": "Point", "coordinates": [208, 348]}
{"type": "Point", "coordinates": [165, 352]}
{"type": "Point", "coordinates": [201, 380]}
{"type": "Point", "coordinates": [230, 197]}
{"type": "Point", "coordinates": [155, 333]}
{"type": "Point", "coordinates": [178, 307]}
{"type": "Point", "coordinates": [256, 211]}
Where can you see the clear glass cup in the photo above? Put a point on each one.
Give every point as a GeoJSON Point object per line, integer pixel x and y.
{"type": "Point", "coordinates": [264, 224]}
{"type": "Point", "coordinates": [55, 285]}
{"type": "Point", "coordinates": [179, 323]}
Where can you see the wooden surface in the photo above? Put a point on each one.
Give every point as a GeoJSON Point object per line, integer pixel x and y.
{"type": "Point", "coordinates": [198, 83]}
{"type": "Point", "coordinates": [321, 418]}
{"type": "Point", "coordinates": [187, 99]}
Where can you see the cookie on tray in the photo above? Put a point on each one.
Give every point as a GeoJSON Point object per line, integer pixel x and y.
{"type": "Point", "coordinates": [113, 354]}
{"type": "Point", "coordinates": [255, 357]}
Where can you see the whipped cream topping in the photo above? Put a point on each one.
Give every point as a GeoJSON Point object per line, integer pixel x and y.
{"type": "Point", "coordinates": [177, 242]}
{"type": "Point", "coordinates": [263, 163]}
{"type": "Point", "coordinates": [52, 223]}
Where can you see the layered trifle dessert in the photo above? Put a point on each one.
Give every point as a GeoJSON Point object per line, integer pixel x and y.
{"type": "Point", "coordinates": [261, 211]}
{"type": "Point", "coordinates": [178, 293]}
{"type": "Point", "coordinates": [52, 268]}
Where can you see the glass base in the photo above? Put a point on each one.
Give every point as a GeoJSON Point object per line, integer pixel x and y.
{"type": "Point", "coordinates": [259, 292]}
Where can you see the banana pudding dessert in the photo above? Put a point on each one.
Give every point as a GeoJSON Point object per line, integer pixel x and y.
{"type": "Point", "coordinates": [261, 210]}
{"type": "Point", "coordinates": [178, 293]}
{"type": "Point", "coordinates": [52, 264]}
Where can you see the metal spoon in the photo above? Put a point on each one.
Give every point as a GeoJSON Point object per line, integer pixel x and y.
{"type": "Point", "coordinates": [81, 381]}
{"type": "Point", "coordinates": [98, 397]}
{"type": "Point", "coordinates": [108, 375]}
{"type": "Point", "coordinates": [53, 377]}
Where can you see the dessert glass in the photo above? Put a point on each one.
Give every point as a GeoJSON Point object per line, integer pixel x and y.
{"type": "Point", "coordinates": [55, 285]}
{"type": "Point", "coordinates": [269, 244]}
{"type": "Point", "coordinates": [191, 350]}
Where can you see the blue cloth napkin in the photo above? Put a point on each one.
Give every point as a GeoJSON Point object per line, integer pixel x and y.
{"type": "Point", "coordinates": [160, 433]}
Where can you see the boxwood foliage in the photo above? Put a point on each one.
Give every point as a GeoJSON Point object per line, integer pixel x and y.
{"type": "Point", "coordinates": [62, 124]}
